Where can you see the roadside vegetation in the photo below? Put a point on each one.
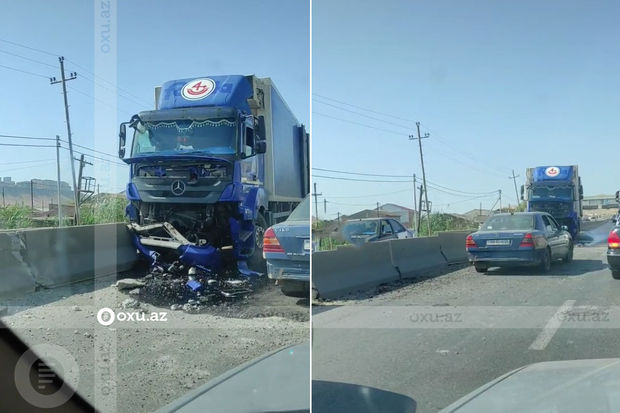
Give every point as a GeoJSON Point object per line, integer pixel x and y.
{"type": "Point", "coordinates": [444, 222]}
{"type": "Point", "coordinates": [103, 210]}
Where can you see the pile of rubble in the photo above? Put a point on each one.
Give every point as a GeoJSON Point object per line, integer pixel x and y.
{"type": "Point", "coordinates": [181, 288]}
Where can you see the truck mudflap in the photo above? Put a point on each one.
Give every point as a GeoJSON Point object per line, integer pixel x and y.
{"type": "Point", "coordinates": [200, 267]}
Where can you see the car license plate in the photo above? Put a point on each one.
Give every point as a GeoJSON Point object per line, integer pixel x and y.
{"type": "Point", "coordinates": [306, 245]}
{"type": "Point", "coordinates": [498, 242]}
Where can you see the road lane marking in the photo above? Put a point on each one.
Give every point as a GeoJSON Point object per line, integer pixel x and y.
{"type": "Point", "coordinates": [551, 327]}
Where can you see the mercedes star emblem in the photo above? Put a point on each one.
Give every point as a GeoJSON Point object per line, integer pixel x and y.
{"type": "Point", "coordinates": [178, 188]}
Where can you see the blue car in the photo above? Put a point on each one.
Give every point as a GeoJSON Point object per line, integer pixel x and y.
{"type": "Point", "coordinates": [287, 247]}
{"type": "Point", "coordinates": [519, 239]}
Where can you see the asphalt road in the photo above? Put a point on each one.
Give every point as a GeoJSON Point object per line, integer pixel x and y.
{"type": "Point", "coordinates": [140, 366]}
{"type": "Point", "coordinates": [436, 340]}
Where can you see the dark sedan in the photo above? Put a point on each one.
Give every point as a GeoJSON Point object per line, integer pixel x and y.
{"type": "Point", "coordinates": [361, 231]}
{"type": "Point", "coordinates": [525, 238]}
{"type": "Point", "coordinates": [286, 247]}
{"type": "Point", "coordinates": [613, 251]}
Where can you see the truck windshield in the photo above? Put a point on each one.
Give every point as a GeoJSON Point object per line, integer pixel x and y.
{"type": "Point", "coordinates": [559, 192]}
{"type": "Point", "coordinates": [216, 137]}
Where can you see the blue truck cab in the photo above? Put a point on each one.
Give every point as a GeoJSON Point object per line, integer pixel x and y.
{"type": "Point", "coordinates": [556, 190]}
{"type": "Point", "coordinates": [219, 160]}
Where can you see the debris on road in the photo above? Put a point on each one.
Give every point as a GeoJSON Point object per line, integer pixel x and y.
{"type": "Point", "coordinates": [128, 284]}
{"type": "Point", "coordinates": [190, 289]}
{"type": "Point", "coordinates": [130, 303]}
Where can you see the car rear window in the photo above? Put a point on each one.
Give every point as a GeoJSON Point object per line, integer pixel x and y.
{"type": "Point", "coordinates": [301, 212]}
{"type": "Point", "coordinates": [509, 222]}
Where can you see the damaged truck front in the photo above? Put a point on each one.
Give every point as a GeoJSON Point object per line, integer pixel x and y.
{"type": "Point", "coordinates": [219, 160]}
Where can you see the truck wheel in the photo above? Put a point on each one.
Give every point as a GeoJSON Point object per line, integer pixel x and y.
{"type": "Point", "coordinates": [481, 267]}
{"type": "Point", "coordinates": [545, 263]}
{"type": "Point", "coordinates": [569, 254]}
{"type": "Point", "coordinates": [615, 274]}
{"type": "Point", "coordinates": [295, 288]}
{"type": "Point", "coordinates": [256, 261]}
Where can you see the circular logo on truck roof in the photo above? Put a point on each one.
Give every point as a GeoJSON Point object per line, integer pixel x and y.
{"type": "Point", "coordinates": [552, 171]}
{"type": "Point", "coordinates": [198, 89]}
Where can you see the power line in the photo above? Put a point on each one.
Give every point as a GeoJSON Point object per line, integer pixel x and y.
{"type": "Point", "coordinates": [27, 137]}
{"type": "Point", "coordinates": [362, 174]}
{"type": "Point", "coordinates": [372, 195]}
{"type": "Point", "coordinates": [122, 95]}
{"type": "Point", "coordinates": [24, 71]}
{"type": "Point", "coordinates": [431, 184]}
{"type": "Point", "coordinates": [363, 108]}
{"type": "Point", "coordinates": [22, 162]}
{"type": "Point", "coordinates": [347, 204]}
{"type": "Point", "coordinates": [99, 100]}
{"type": "Point", "coordinates": [357, 180]}
{"type": "Point", "coordinates": [96, 157]}
{"type": "Point", "coordinates": [91, 149]}
{"type": "Point", "coordinates": [365, 116]}
{"type": "Point", "coordinates": [28, 47]}
{"type": "Point", "coordinates": [359, 123]}
{"type": "Point", "coordinates": [27, 58]}
{"type": "Point", "coordinates": [438, 138]}
{"type": "Point", "coordinates": [107, 81]}
{"type": "Point", "coordinates": [27, 145]}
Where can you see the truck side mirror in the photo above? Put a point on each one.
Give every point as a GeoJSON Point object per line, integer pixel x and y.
{"type": "Point", "coordinates": [260, 129]}
{"type": "Point", "coordinates": [617, 196]}
{"type": "Point", "coordinates": [122, 136]}
{"type": "Point", "coordinates": [260, 146]}
{"type": "Point", "coordinates": [580, 192]}
{"type": "Point", "coordinates": [522, 190]}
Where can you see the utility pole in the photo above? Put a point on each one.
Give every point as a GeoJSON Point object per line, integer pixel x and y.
{"type": "Point", "coordinates": [3, 202]}
{"type": "Point", "coordinates": [514, 180]}
{"type": "Point", "coordinates": [81, 176]}
{"type": "Point", "coordinates": [377, 210]}
{"type": "Point", "coordinates": [415, 204]}
{"type": "Point", "coordinates": [419, 211]}
{"type": "Point", "coordinates": [64, 80]}
{"type": "Point", "coordinates": [500, 200]}
{"type": "Point", "coordinates": [31, 197]}
{"type": "Point", "coordinates": [316, 202]}
{"type": "Point", "coordinates": [338, 216]}
{"type": "Point", "coordinates": [419, 138]}
{"type": "Point", "coordinates": [58, 179]}
{"type": "Point", "coordinates": [325, 206]}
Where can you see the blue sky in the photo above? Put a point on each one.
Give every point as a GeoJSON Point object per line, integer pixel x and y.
{"type": "Point", "coordinates": [499, 85]}
{"type": "Point", "coordinates": [157, 41]}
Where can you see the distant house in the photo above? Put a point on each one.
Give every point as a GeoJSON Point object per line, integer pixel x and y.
{"type": "Point", "coordinates": [477, 215]}
{"type": "Point", "coordinates": [404, 215]}
{"type": "Point", "coordinates": [369, 213]}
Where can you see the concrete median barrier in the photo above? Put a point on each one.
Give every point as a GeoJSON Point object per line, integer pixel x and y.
{"type": "Point", "coordinates": [15, 275]}
{"type": "Point", "coordinates": [350, 269]}
{"type": "Point", "coordinates": [60, 256]}
{"type": "Point", "coordinates": [51, 257]}
{"type": "Point", "coordinates": [414, 256]}
{"type": "Point", "coordinates": [453, 246]}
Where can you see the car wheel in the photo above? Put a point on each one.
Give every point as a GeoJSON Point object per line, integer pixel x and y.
{"type": "Point", "coordinates": [569, 254]}
{"type": "Point", "coordinates": [545, 263]}
{"type": "Point", "coordinates": [481, 267]}
{"type": "Point", "coordinates": [256, 261]}
{"type": "Point", "coordinates": [615, 274]}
